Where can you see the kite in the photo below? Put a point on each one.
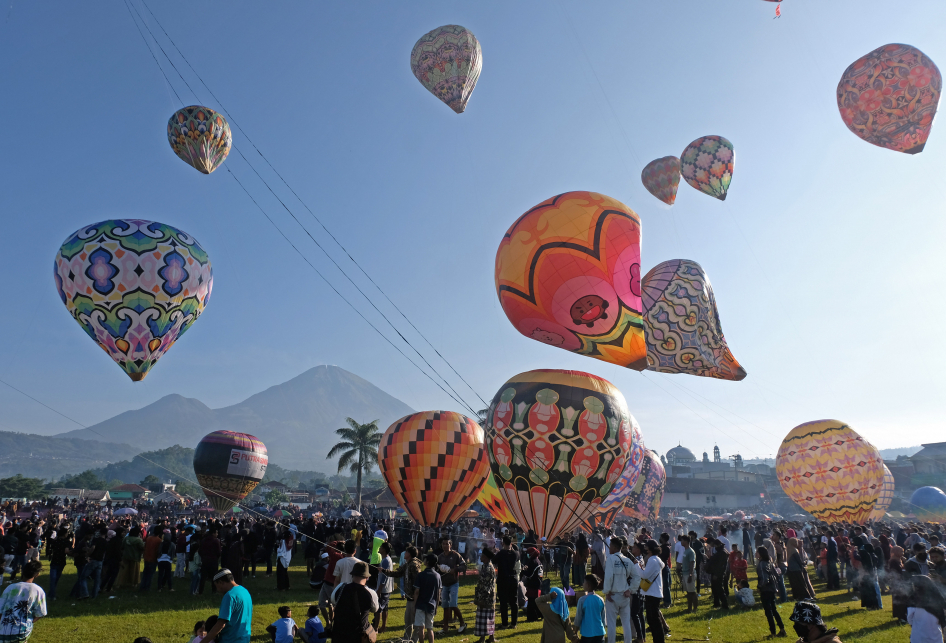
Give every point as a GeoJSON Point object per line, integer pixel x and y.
{"type": "Point", "coordinates": [612, 505]}
{"type": "Point", "coordinates": [643, 503]}
{"type": "Point", "coordinates": [448, 61]}
{"type": "Point", "coordinates": [568, 275]}
{"type": "Point", "coordinates": [886, 497]}
{"type": "Point", "coordinates": [681, 323]}
{"type": "Point", "coordinates": [661, 177]}
{"type": "Point", "coordinates": [557, 443]}
{"type": "Point", "coordinates": [493, 501]}
{"type": "Point", "coordinates": [830, 471]}
{"type": "Point", "coordinates": [200, 137]}
{"type": "Point", "coordinates": [433, 463]}
{"type": "Point", "coordinates": [228, 466]}
{"type": "Point", "coordinates": [889, 97]}
{"type": "Point", "coordinates": [134, 286]}
{"type": "Point", "coordinates": [707, 165]}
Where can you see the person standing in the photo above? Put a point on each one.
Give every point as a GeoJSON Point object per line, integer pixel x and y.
{"type": "Point", "coordinates": [485, 598]}
{"type": "Point", "coordinates": [687, 562]}
{"type": "Point", "coordinates": [652, 576]}
{"type": "Point", "coordinates": [180, 570]}
{"type": "Point", "coordinates": [798, 573]}
{"type": "Point", "coordinates": [616, 588]}
{"type": "Point", "coordinates": [747, 537]}
{"type": "Point", "coordinates": [427, 592]}
{"type": "Point", "coordinates": [22, 604]}
{"type": "Point", "coordinates": [408, 572]}
{"type": "Point", "coordinates": [354, 605]}
{"type": "Point", "coordinates": [834, 578]}
{"type": "Point", "coordinates": [768, 586]}
{"type": "Point", "coordinates": [716, 567]}
{"type": "Point", "coordinates": [450, 563]}
{"type": "Point", "coordinates": [385, 586]}
{"type": "Point", "coordinates": [344, 566]}
{"type": "Point", "coordinates": [590, 613]}
{"type": "Point", "coordinates": [166, 555]}
{"type": "Point", "coordinates": [235, 619]}
{"type": "Point", "coordinates": [132, 548]}
{"type": "Point", "coordinates": [92, 572]}
{"type": "Point", "coordinates": [564, 553]}
{"type": "Point", "coordinates": [151, 554]}
{"type": "Point", "coordinates": [80, 556]}
{"type": "Point", "coordinates": [667, 559]}
{"type": "Point", "coordinates": [57, 562]}
{"type": "Point", "coordinates": [283, 558]}
{"type": "Point", "coordinates": [507, 582]}
{"type": "Point", "coordinates": [533, 572]}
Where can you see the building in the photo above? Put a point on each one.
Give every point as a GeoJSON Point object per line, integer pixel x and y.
{"type": "Point", "coordinates": [682, 463]}
{"type": "Point", "coordinates": [90, 495]}
{"type": "Point", "coordinates": [707, 495]}
{"type": "Point", "coordinates": [128, 492]}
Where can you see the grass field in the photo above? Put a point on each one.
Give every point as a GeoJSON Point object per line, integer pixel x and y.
{"type": "Point", "coordinates": [169, 617]}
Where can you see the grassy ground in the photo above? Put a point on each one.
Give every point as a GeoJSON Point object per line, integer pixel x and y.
{"type": "Point", "coordinates": [169, 617]}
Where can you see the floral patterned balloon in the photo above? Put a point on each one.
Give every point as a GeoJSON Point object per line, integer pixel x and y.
{"type": "Point", "coordinates": [643, 503]}
{"type": "Point", "coordinates": [609, 509]}
{"type": "Point", "coordinates": [200, 137]}
{"type": "Point", "coordinates": [557, 443]}
{"type": "Point", "coordinates": [134, 286]}
{"type": "Point", "coordinates": [661, 177]}
{"type": "Point", "coordinates": [448, 61]}
{"type": "Point", "coordinates": [707, 165]}
{"type": "Point", "coordinates": [889, 97]}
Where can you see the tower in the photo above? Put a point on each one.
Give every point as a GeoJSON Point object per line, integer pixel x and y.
{"type": "Point", "coordinates": [716, 454]}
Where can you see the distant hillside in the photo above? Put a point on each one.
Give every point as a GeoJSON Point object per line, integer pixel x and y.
{"type": "Point", "coordinates": [50, 457]}
{"type": "Point", "coordinates": [296, 420]}
{"type": "Point", "coordinates": [891, 454]}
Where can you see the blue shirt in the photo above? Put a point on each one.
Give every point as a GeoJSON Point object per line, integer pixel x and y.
{"type": "Point", "coordinates": [590, 615]}
{"type": "Point", "coordinates": [314, 629]}
{"type": "Point", "coordinates": [236, 609]}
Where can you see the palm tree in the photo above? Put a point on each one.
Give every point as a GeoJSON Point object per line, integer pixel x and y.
{"type": "Point", "coordinates": [358, 449]}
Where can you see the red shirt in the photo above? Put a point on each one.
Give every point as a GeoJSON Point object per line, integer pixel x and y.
{"type": "Point", "coordinates": [739, 568]}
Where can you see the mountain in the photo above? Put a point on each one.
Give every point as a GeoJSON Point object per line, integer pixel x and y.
{"type": "Point", "coordinates": [44, 456]}
{"type": "Point", "coordinates": [891, 454]}
{"type": "Point", "coordinates": [296, 420]}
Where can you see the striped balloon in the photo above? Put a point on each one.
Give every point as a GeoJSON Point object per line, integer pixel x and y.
{"type": "Point", "coordinates": [228, 466]}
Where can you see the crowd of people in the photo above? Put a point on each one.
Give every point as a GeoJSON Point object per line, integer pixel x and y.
{"type": "Point", "coordinates": [357, 566]}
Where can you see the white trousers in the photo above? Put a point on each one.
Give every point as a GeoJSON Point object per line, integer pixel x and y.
{"type": "Point", "coordinates": [181, 566]}
{"type": "Point", "coordinates": [619, 605]}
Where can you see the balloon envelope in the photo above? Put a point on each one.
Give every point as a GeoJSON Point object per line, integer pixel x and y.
{"type": "Point", "coordinates": [889, 97]}
{"type": "Point", "coordinates": [134, 286]}
{"type": "Point", "coordinates": [643, 503]}
{"type": "Point", "coordinates": [681, 323]}
{"type": "Point", "coordinates": [568, 275]}
{"type": "Point", "coordinates": [886, 497]}
{"type": "Point", "coordinates": [707, 165]}
{"type": "Point", "coordinates": [228, 466]}
{"type": "Point", "coordinates": [929, 504]}
{"type": "Point", "coordinates": [493, 500]}
{"type": "Point", "coordinates": [434, 464]}
{"type": "Point", "coordinates": [830, 471]}
{"type": "Point", "coordinates": [200, 137]}
{"type": "Point", "coordinates": [661, 177]}
{"type": "Point", "coordinates": [448, 61]}
{"type": "Point", "coordinates": [557, 442]}
{"type": "Point", "coordinates": [608, 510]}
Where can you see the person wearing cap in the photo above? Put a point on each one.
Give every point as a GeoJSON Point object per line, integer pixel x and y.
{"type": "Point", "coordinates": [653, 595]}
{"type": "Point", "coordinates": [618, 572]}
{"type": "Point", "coordinates": [354, 605]}
{"type": "Point", "coordinates": [807, 622]}
{"type": "Point", "coordinates": [235, 619]}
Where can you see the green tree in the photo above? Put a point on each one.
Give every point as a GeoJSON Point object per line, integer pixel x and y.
{"type": "Point", "coordinates": [187, 488]}
{"type": "Point", "coordinates": [85, 480]}
{"type": "Point", "coordinates": [20, 487]}
{"type": "Point", "coordinates": [276, 496]}
{"type": "Point", "coordinates": [358, 449]}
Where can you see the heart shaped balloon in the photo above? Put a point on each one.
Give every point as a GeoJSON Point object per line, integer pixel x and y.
{"type": "Point", "coordinates": [707, 165]}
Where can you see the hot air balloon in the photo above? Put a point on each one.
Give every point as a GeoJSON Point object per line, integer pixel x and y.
{"type": "Point", "coordinates": [889, 97]}
{"type": "Point", "coordinates": [661, 177]}
{"type": "Point", "coordinates": [448, 61]}
{"type": "Point", "coordinates": [134, 286]}
{"type": "Point", "coordinates": [830, 471]}
{"type": "Point", "coordinates": [609, 509]}
{"type": "Point", "coordinates": [886, 497]}
{"type": "Point", "coordinates": [707, 165]}
{"type": "Point", "coordinates": [929, 504]}
{"type": "Point", "coordinates": [568, 275]}
{"type": "Point", "coordinates": [433, 463]}
{"type": "Point", "coordinates": [681, 323]}
{"type": "Point", "coordinates": [200, 137]}
{"type": "Point", "coordinates": [494, 502]}
{"type": "Point", "coordinates": [228, 466]}
{"type": "Point", "coordinates": [643, 503]}
{"type": "Point", "coordinates": [557, 442]}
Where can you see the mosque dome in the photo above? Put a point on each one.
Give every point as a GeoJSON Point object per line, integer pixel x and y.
{"type": "Point", "coordinates": [680, 455]}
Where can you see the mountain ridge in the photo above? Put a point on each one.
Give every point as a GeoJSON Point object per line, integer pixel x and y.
{"type": "Point", "coordinates": [313, 403]}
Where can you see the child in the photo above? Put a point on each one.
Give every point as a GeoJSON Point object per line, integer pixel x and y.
{"type": "Point", "coordinates": [284, 630]}
{"type": "Point", "coordinates": [199, 632]}
{"type": "Point", "coordinates": [738, 567]}
{"type": "Point", "coordinates": [314, 631]}
{"type": "Point", "coordinates": [209, 624]}
{"type": "Point", "coordinates": [744, 596]}
{"type": "Point", "coordinates": [589, 617]}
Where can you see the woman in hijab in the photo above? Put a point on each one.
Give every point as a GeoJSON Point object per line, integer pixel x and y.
{"type": "Point", "coordinates": [283, 558]}
{"type": "Point", "coordinates": [798, 573]}
{"type": "Point", "coordinates": [870, 588]}
{"type": "Point", "coordinates": [556, 624]}
{"type": "Point", "coordinates": [899, 588]}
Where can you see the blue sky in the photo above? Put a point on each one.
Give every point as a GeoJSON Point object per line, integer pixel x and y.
{"type": "Point", "coordinates": [824, 257]}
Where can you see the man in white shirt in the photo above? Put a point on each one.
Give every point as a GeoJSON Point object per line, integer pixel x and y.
{"type": "Point", "coordinates": [617, 592]}
{"type": "Point", "coordinates": [678, 550]}
{"type": "Point", "coordinates": [722, 538]}
{"type": "Point", "coordinates": [344, 566]}
{"type": "Point", "coordinates": [653, 595]}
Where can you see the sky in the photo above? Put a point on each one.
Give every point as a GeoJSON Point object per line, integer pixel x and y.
{"type": "Point", "coordinates": [823, 258]}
